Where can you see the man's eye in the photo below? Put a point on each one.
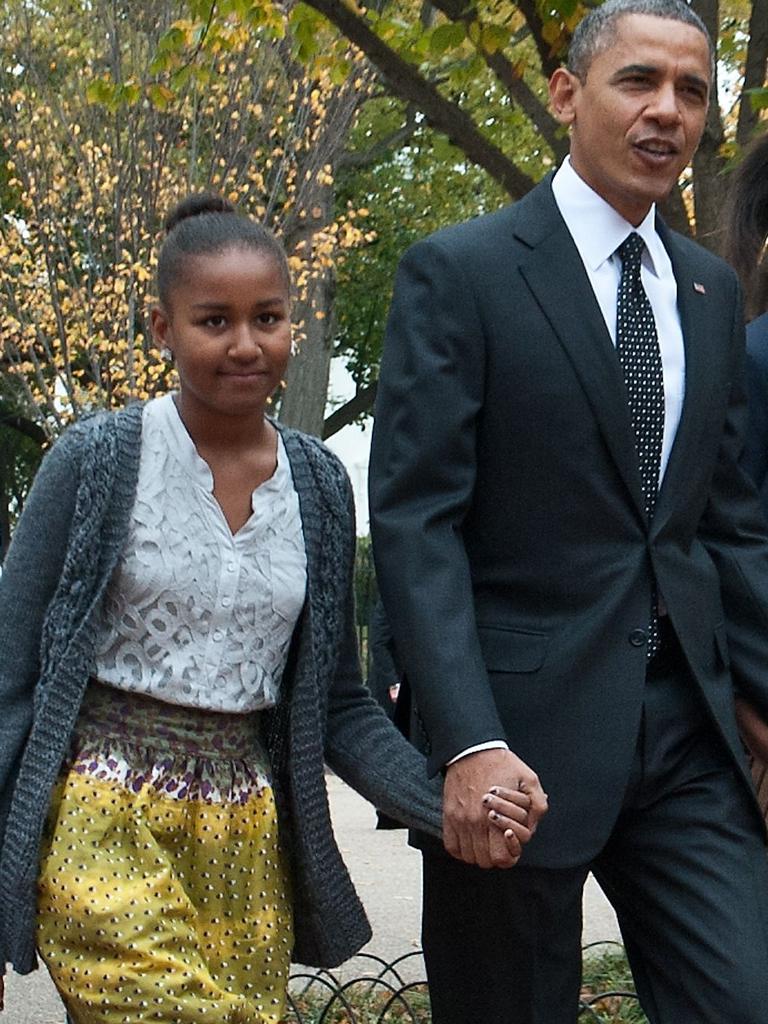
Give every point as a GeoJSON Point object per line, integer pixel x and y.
{"type": "Point", "coordinates": [214, 321]}
{"type": "Point", "coordinates": [694, 93]}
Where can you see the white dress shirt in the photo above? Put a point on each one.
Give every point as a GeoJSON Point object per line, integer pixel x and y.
{"type": "Point", "coordinates": [597, 231]}
{"type": "Point", "coordinates": [196, 615]}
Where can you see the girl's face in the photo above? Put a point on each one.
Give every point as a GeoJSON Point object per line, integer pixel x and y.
{"type": "Point", "coordinates": [229, 330]}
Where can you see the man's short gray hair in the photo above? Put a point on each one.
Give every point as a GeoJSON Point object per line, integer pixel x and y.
{"type": "Point", "coordinates": [597, 30]}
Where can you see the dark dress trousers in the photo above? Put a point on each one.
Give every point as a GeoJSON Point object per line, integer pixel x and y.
{"type": "Point", "coordinates": [516, 566]}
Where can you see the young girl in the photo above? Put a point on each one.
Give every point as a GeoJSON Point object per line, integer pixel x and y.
{"type": "Point", "coordinates": [177, 659]}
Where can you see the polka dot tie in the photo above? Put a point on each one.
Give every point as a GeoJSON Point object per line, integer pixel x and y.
{"type": "Point", "coordinates": [637, 345]}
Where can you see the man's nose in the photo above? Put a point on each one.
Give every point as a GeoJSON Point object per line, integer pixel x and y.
{"type": "Point", "coordinates": [665, 107]}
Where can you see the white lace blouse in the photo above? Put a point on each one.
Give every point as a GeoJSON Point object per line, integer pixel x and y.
{"type": "Point", "coordinates": [195, 615]}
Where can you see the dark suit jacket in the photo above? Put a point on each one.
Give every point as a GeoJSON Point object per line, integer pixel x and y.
{"type": "Point", "coordinates": [511, 547]}
{"type": "Point", "coordinates": [755, 457]}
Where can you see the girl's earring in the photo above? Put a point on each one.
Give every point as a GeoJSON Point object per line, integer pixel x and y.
{"type": "Point", "coordinates": [166, 354]}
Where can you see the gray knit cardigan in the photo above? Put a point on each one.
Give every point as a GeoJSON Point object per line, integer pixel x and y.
{"type": "Point", "coordinates": [63, 553]}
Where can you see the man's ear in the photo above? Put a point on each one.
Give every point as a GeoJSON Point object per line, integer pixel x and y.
{"type": "Point", "coordinates": [564, 89]}
{"type": "Point", "coordinates": [160, 325]}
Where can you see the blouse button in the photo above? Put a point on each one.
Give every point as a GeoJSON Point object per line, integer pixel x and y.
{"type": "Point", "coordinates": [217, 635]}
{"type": "Point", "coordinates": [226, 602]}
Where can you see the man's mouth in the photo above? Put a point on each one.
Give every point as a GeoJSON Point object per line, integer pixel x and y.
{"type": "Point", "coordinates": [657, 149]}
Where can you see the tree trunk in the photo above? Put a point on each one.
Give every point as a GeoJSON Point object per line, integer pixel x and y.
{"type": "Point", "coordinates": [306, 380]}
{"type": "Point", "coordinates": [708, 164]}
{"type": "Point", "coordinates": [755, 68]}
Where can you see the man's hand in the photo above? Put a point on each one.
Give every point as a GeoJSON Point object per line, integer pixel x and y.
{"type": "Point", "coordinates": [468, 834]}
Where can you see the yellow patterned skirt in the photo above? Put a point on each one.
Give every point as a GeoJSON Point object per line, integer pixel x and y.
{"type": "Point", "coordinates": [163, 893]}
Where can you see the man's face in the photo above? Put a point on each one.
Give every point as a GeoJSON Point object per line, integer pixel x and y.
{"type": "Point", "coordinates": [637, 118]}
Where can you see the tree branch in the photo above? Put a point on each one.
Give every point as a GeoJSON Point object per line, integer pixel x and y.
{"type": "Point", "coordinates": [349, 412]}
{"type": "Point", "coordinates": [23, 426]}
{"type": "Point", "coordinates": [517, 89]}
{"type": "Point", "coordinates": [406, 82]}
{"type": "Point", "coordinates": [550, 62]}
{"type": "Point", "coordinates": [382, 146]}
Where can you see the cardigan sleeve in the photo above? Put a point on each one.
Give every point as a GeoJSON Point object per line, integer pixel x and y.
{"type": "Point", "coordinates": [30, 575]}
{"type": "Point", "coordinates": [362, 745]}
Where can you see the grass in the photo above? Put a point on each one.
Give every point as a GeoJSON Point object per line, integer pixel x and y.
{"type": "Point", "coordinates": [606, 970]}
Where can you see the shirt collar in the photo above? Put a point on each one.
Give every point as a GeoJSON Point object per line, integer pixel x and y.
{"type": "Point", "coordinates": [183, 448]}
{"type": "Point", "coordinates": [597, 229]}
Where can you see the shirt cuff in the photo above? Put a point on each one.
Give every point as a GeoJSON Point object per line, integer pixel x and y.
{"type": "Point", "coordinates": [489, 745]}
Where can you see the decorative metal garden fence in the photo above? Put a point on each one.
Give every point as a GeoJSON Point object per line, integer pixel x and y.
{"type": "Point", "coordinates": [370, 990]}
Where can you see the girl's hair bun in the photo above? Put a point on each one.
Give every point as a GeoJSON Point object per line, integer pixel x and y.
{"type": "Point", "coordinates": [195, 205]}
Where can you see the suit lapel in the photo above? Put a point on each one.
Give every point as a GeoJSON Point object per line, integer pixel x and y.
{"type": "Point", "coordinates": [574, 315]}
{"type": "Point", "coordinates": [694, 303]}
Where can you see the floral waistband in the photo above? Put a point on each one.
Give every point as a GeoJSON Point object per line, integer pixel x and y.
{"type": "Point", "coordinates": [134, 718]}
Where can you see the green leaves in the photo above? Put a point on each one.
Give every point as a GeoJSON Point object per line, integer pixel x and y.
{"type": "Point", "coordinates": [446, 37]}
{"type": "Point", "coordinates": [758, 98]}
{"type": "Point", "coordinates": [113, 95]}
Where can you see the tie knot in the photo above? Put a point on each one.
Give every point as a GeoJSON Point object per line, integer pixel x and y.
{"type": "Point", "coordinates": [631, 250]}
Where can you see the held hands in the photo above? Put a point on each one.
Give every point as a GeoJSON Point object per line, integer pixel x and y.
{"type": "Point", "coordinates": [492, 803]}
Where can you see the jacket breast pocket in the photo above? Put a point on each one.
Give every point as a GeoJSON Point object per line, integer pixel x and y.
{"type": "Point", "coordinates": [506, 649]}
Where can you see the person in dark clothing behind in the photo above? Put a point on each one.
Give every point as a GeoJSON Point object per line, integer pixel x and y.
{"type": "Point", "coordinates": [385, 683]}
{"type": "Point", "coordinates": [384, 673]}
{"type": "Point", "coordinates": [746, 235]}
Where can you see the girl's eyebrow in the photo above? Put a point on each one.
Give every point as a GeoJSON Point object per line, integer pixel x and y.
{"type": "Point", "coordinates": [276, 300]}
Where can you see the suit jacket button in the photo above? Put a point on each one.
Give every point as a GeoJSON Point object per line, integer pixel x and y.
{"type": "Point", "coordinates": [638, 637]}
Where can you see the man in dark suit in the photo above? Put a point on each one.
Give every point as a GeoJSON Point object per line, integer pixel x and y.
{"type": "Point", "coordinates": [573, 565]}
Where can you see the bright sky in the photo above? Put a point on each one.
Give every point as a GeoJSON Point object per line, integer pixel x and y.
{"type": "Point", "coordinates": [352, 443]}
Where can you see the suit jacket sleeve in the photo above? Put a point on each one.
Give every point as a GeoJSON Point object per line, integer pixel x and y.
{"type": "Point", "coordinates": [421, 484]}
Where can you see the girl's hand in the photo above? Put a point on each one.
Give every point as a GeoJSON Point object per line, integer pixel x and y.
{"type": "Point", "coordinates": [508, 811]}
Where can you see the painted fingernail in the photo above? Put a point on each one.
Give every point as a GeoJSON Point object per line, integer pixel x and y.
{"type": "Point", "coordinates": [487, 798]}
{"type": "Point", "coordinates": [494, 816]}
{"type": "Point", "coordinates": [494, 790]}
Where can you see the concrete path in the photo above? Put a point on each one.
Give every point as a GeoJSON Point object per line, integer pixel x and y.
{"type": "Point", "coordinates": [386, 872]}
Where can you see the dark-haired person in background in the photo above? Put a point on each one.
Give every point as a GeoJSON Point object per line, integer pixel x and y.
{"type": "Point", "coordinates": [745, 241]}
{"type": "Point", "coordinates": [573, 565]}
{"type": "Point", "coordinates": [746, 237]}
{"type": "Point", "coordinates": [177, 657]}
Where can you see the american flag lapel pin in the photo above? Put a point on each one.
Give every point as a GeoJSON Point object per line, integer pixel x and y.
{"type": "Point", "coordinates": [699, 288]}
